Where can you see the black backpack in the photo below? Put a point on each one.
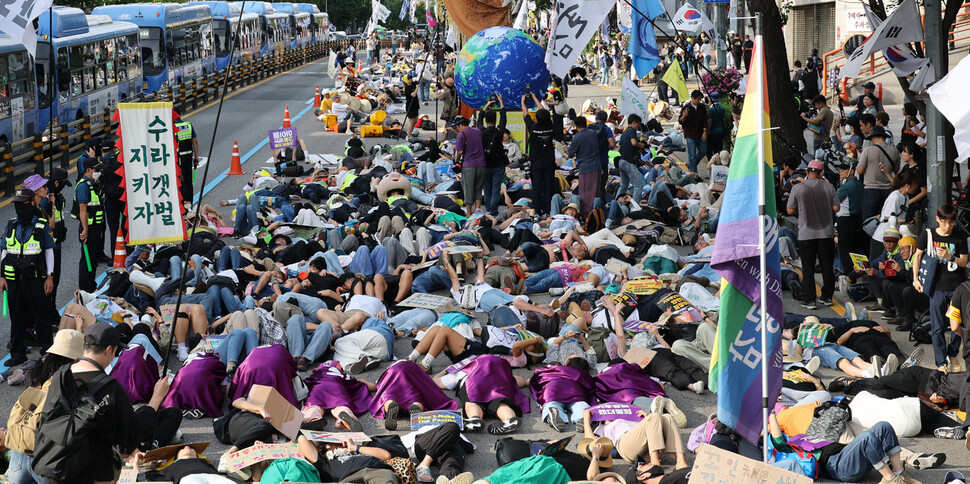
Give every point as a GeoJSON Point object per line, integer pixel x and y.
{"type": "Point", "coordinates": [920, 334]}
{"type": "Point", "coordinates": [600, 136]}
{"type": "Point", "coordinates": [495, 154]}
{"type": "Point", "coordinates": [62, 450]}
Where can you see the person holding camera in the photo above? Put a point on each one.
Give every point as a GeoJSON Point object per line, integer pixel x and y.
{"type": "Point", "coordinates": [819, 122]}
{"type": "Point", "coordinates": [495, 156]}
{"type": "Point", "coordinates": [541, 136]}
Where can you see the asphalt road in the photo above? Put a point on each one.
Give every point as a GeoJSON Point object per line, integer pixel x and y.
{"type": "Point", "coordinates": [248, 114]}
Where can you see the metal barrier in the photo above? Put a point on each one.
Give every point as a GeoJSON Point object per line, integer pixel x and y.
{"type": "Point", "coordinates": [67, 140]}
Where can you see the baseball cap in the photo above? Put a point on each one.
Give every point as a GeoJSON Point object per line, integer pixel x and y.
{"type": "Point", "coordinates": [869, 85]}
{"type": "Point", "coordinates": [459, 120]}
{"type": "Point", "coordinates": [33, 182]}
{"type": "Point", "coordinates": [816, 165]}
{"type": "Point", "coordinates": [68, 343]}
{"type": "Point", "coordinates": [60, 174]}
{"type": "Point", "coordinates": [92, 164]}
{"type": "Point", "coordinates": [891, 234]}
{"type": "Point", "coordinates": [102, 334]}
{"type": "Point", "coordinates": [24, 195]}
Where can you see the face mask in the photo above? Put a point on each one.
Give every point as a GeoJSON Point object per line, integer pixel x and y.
{"type": "Point", "coordinates": [96, 175]}
{"type": "Point", "coordinates": [25, 211]}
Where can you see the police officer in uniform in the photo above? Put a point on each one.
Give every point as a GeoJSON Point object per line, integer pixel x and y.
{"type": "Point", "coordinates": [89, 212]}
{"type": "Point", "coordinates": [27, 261]}
{"type": "Point", "coordinates": [188, 157]}
{"type": "Point", "coordinates": [52, 206]}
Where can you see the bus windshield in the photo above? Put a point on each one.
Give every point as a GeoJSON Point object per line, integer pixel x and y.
{"type": "Point", "coordinates": [221, 33]}
{"type": "Point", "coordinates": [152, 51]}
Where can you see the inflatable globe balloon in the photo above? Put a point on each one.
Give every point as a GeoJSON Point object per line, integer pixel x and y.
{"type": "Point", "coordinates": [500, 60]}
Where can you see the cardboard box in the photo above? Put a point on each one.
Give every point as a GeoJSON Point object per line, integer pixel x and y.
{"type": "Point", "coordinates": [283, 415]}
{"type": "Point", "coordinates": [433, 302]}
{"type": "Point", "coordinates": [714, 465]}
{"type": "Point", "coordinates": [640, 356]}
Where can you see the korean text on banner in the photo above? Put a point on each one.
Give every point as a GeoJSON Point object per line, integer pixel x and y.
{"type": "Point", "coordinates": [575, 23]}
{"type": "Point", "coordinates": [633, 100]}
{"type": "Point", "coordinates": [283, 138]}
{"type": "Point", "coordinates": [150, 172]}
{"type": "Point", "coordinates": [17, 20]}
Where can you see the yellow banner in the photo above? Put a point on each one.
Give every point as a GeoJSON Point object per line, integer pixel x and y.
{"type": "Point", "coordinates": [674, 77]}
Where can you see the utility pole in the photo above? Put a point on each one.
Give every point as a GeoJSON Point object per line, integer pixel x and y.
{"type": "Point", "coordinates": [721, 27]}
{"type": "Point", "coordinates": [936, 52]}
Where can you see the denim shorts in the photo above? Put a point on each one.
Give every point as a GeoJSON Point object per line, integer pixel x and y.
{"type": "Point", "coordinates": [830, 354]}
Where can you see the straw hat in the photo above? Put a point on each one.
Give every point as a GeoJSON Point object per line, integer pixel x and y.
{"type": "Point", "coordinates": [68, 343]}
{"type": "Point", "coordinates": [607, 444]}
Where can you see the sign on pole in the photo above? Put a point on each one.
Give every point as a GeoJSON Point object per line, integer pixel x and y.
{"type": "Point", "coordinates": [148, 153]}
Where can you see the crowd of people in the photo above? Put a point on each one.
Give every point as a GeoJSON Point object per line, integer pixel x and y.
{"type": "Point", "coordinates": [571, 262]}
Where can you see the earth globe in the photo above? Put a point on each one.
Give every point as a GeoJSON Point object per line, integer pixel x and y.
{"type": "Point", "coordinates": [500, 60]}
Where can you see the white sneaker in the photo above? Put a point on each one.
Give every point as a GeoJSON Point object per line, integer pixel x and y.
{"type": "Point", "coordinates": [657, 405]}
{"type": "Point", "coordinates": [178, 436]}
{"type": "Point", "coordinates": [556, 291]}
{"type": "Point", "coordinates": [697, 387]}
{"type": "Point", "coordinates": [676, 413]}
{"type": "Point", "coordinates": [223, 466]}
{"type": "Point", "coordinates": [813, 364]}
{"type": "Point", "coordinates": [877, 363]}
{"type": "Point", "coordinates": [892, 362]}
{"type": "Point", "coordinates": [183, 353]}
{"type": "Point", "coordinates": [468, 297]}
{"type": "Point", "coordinates": [844, 287]}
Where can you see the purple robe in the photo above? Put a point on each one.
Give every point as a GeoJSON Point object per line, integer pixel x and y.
{"type": "Point", "coordinates": [405, 383]}
{"type": "Point", "coordinates": [490, 377]}
{"type": "Point", "coordinates": [624, 382]}
{"type": "Point", "coordinates": [272, 366]}
{"type": "Point", "coordinates": [562, 383]}
{"type": "Point", "coordinates": [137, 372]}
{"type": "Point", "coordinates": [331, 387]}
{"type": "Point", "coordinates": [198, 385]}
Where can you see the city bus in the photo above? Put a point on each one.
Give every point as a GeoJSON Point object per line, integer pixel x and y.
{"type": "Point", "coordinates": [18, 97]}
{"type": "Point", "coordinates": [274, 26]}
{"type": "Point", "coordinates": [301, 24]}
{"type": "Point", "coordinates": [321, 21]}
{"type": "Point", "coordinates": [176, 40]}
{"type": "Point", "coordinates": [225, 17]}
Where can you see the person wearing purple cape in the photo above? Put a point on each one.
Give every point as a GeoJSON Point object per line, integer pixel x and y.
{"type": "Point", "coordinates": [405, 383]}
{"type": "Point", "coordinates": [624, 382]}
{"type": "Point", "coordinates": [198, 387]}
{"type": "Point", "coordinates": [486, 384]}
{"type": "Point", "coordinates": [270, 365]}
{"type": "Point", "coordinates": [343, 395]}
{"type": "Point", "coordinates": [563, 392]}
{"type": "Point", "coordinates": [137, 372]}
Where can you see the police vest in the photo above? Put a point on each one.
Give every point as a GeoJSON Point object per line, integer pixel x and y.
{"type": "Point", "coordinates": [24, 259]}
{"type": "Point", "coordinates": [394, 199]}
{"type": "Point", "coordinates": [184, 137]}
{"type": "Point", "coordinates": [95, 212]}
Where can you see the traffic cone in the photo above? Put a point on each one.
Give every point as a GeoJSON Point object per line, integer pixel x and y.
{"type": "Point", "coordinates": [286, 117]}
{"type": "Point", "coordinates": [120, 254]}
{"type": "Point", "coordinates": [316, 98]}
{"type": "Point", "coordinates": [235, 166]}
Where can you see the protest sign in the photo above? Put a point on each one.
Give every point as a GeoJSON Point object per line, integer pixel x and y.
{"type": "Point", "coordinates": [717, 465]}
{"type": "Point", "coordinates": [332, 65]}
{"type": "Point", "coordinates": [516, 126]}
{"type": "Point", "coordinates": [859, 261]}
{"type": "Point", "coordinates": [435, 418]}
{"type": "Point", "coordinates": [637, 326]}
{"type": "Point", "coordinates": [719, 175]}
{"type": "Point", "coordinates": [171, 451]}
{"type": "Point", "coordinates": [262, 452]}
{"type": "Point", "coordinates": [17, 21]}
{"type": "Point", "coordinates": [642, 286]}
{"type": "Point", "coordinates": [149, 155]}
{"type": "Point", "coordinates": [335, 437]}
{"type": "Point", "coordinates": [633, 100]}
{"type": "Point", "coordinates": [640, 356]}
{"type": "Point", "coordinates": [282, 414]}
{"type": "Point", "coordinates": [430, 301]}
{"type": "Point", "coordinates": [283, 138]}
{"type": "Point", "coordinates": [614, 411]}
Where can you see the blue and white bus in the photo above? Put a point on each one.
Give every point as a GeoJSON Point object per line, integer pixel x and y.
{"type": "Point", "coordinates": [176, 40]}
{"type": "Point", "coordinates": [301, 24]}
{"type": "Point", "coordinates": [321, 21]}
{"type": "Point", "coordinates": [275, 26]}
{"type": "Point", "coordinates": [225, 17]}
{"type": "Point", "coordinates": [18, 96]}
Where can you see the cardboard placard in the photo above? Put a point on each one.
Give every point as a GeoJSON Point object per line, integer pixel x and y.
{"type": "Point", "coordinates": [462, 249]}
{"type": "Point", "coordinates": [719, 176]}
{"type": "Point", "coordinates": [642, 286]}
{"type": "Point", "coordinates": [640, 356]}
{"type": "Point", "coordinates": [430, 301]}
{"type": "Point", "coordinates": [859, 261]}
{"type": "Point", "coordinates": [335, 437]}
{"type": "Point", "coordinates": [262, 452]}
{"type": "Point", "coordinates": [615, 266]}
{"type": "Point", "coordinates": [283, 138]}
{"type": "Point", "coordinates": [282, 414]}
{"type": "Point", "coordinates": [637, 326]}
{"type": "Point", "coordinates": [169, 452]}
{"type": "Point", "coordinates": [716, 465]}
{"type": "Point", "coordinates": [434, 418]}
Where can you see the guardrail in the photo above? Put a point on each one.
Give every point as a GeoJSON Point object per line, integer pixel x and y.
{"type": "Point", "coordinates": [60, 145]}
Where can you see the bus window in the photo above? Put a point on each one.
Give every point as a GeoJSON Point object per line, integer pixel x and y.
{"type": "Point", "coordinates": [152, 51]}
{"type": "Point", "coordinates": [63, 76]}
{"type": "Point", "coordinates": [42, 68]}
{"type": "Point", "coordinates": [18, 81]}
{"type": "Point", "coordinates": [134, 61]}
{"type": "Point", "coordinates": [205, 46]}
{"type": "Point", "coordinates": [221, 33]}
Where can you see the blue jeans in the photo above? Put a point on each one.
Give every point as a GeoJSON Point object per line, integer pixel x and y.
{"type": "Point", "coordinates": [435, 279]}
{"type": "Point", "coordinates": [237, 345]}
{"type": "Point", "coordinates": [657, 190]}
{"type": "Point", "coordinates": [615, 214]}
{"type": "Point", "coordinates": [696, 149]}
{"type": "Point", "coordinates": [20, 471]}
{"type": "Point", "coordinates": [570, 412]}
{"type": "Point", "coordinates": [542, 281]}
{"type": "Point", "coordinates": [494, 298]}
{"type": "Point", "coordinates": [308, 345]}
{"type": "Point", "coordinates": [223, 300]}
{"type": "Point", "coordinates": [493, 188]}
{"type": "Point", "coordinates": [502, 317]}
{"type": "Point", "coordinates": [536, 257]}
{"type": "Point", "coordinates": [333, 262]}
{"type": "Point", "coordinates": [424, 91]}
{"type": "Point", "coordinates": [246, 212]}
{"type": "Point", "coordinates": [630, 176]}
{"type": "Point", "coordinates": [309, 305]}
{"type": "Point", "coordinates": [228, 259]}
{"type": "Point", "coordinates": [830, 354]}
{"type": "Point", "coordinates": [870, 449]}
{"type": "Point", "coordinates": [940, 326]}
{"type": "Point", "coordinates": [143, 341]}
{"type": "Point", "coordinates": [368, 262]}
{"type": "Point", "coordinates": [555, 208]}
{"type": "Point", "coordinates": [417, 318]}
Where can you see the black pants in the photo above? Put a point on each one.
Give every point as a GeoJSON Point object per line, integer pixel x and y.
{"type": "Point", "coordinates": [185, 166]}
{"type": "Point", "coordinates": [246, 428]}
{"type": "Point", "coordinates": [676, 369]}
{"type": "Point", "coordinates": [543, 186]}
{"type": "Point", "coordinates": [715, 143]}
{"type": "Point", "coordinates": [822, 250]}
{"type": "Point", "coordinates": [95, 243]}
{"type": "Point", "coordinates": [169, 420]}
{"type": "Point", "coordinates": [872, 200]}
{"type": "Point", "coordinates": [662, 91]}
{"type": "Point", "coordinates": [113, 211]}
{"type": "Point", "coordinates": [57, 275]}
{"type": "Point", "coordinates": [29, 306]}
{"type": "Point", "coordinates": [879, 288]}
{"type": "Point", "coordinates": [444, 445]}
{"type": "Point", "coordinates": [906, 382]}
{"type": "Point", "coordinates": [740, 446]}
{"type": "Point", "coordinates": [850, 240]}
{"type": "Point", "coordinates": [907, 300]}
{"type": "Point", "coordinates": [869, 347]}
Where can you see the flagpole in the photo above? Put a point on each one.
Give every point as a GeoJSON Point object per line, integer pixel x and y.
{"type": "Point", "coordinates": [763, 258]}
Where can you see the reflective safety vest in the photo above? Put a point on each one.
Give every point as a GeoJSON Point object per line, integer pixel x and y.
{"type": "Point", "coordinates": [24, 259]}
{"type": "Point", "coordinates": [184, 137]}
{"type": "Point", "coordinates": [95, 212]}
{"type": "Point", "coordinates": [393, 199]}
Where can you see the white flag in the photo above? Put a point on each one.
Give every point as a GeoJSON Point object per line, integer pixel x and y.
{"type": "Point", "coordinates": [691, 19]}
{"type": "Point", "coordinates": [926, 75]}
{"type": "Point", "coordinates": [899, 56]}
{"type": "Point", "coordinates": [332, 66]}
{"type": "Point", "coordinates": [522, 18]}
{"type": "Point", "coordinates": [949, 96]}
{"type": "Point", "coordinates": [575, 22]}
{"type": "Point", "coordinates": [380, 12]}
{"type": "Point", "coordinates": [902, 27]}
{"type": "Point", "coordinates": [633, 100]}
{"type": "Point", "coordinates": [624, 14]}
{"type": "Point", "coordinates": [17, 20]}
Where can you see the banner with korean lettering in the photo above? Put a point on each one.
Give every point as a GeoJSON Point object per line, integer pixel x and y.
{"type": "Point", "coordinates": [148, 155]}
{"type": "Point", "coordinates": [283, 138]}
{"type": "Point", "coordinates": [575, 23]}
{"type": "Point", "coordinates": [17, 20]}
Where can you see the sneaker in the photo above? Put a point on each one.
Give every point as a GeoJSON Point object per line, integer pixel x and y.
{"type": "Point", "coordinates": [463, 478]}
{"type": "Point", "coordinates": [825, 301]}
{"type": "Point", "coordinates": [796, 290]}
{"type": "Point", "coordinates": [841, 383]}
{"type": "Point", "coordinates": [844, 286]}
{"type": "Point", "coordinates": [675, 413]}
{"type": "Point", "coordinates": [468, 297]}
{"type": "Point", "coordinates": [953, 475]}
{"type": "Point", "coordinates": [17, 359]}
{"type": "Point", "coordinates": [865, 315]}
{"type": "Point", "coordinates": [889, 313]}
{"type": "Point", "coordinates": [580, 427]}
{"type": "Point", "coordinates": [657, 405]}
{"type": "Point", "coordinates": [813, 364]}
{"type": "Point", "coordinates": [390, 416]}
{"type": "Point", "coordinates": [177, 437]}
{"type": "Point", "coordinates": [850, 311]}
{"type": "Point", "coordinates": [895, 321]}
{"type": "Point", "coordinates": [506, 427]}
{"type": "Point", "coordinates": [372, 363]}
{"type": "Point", "coordinates": [956, 364]}
{"type": "Point", "coordinates": [697, 387]}
{"type": "Point", "coordinates": [892, 362]}
{"type": "Point", "coordinates": [357, 366]}
{"type": "Point", "coordinates": [906, 327]}
{"type": "Point", "coordinates": [183, 353]}
{"type": "Point", "coordinates": [223, 466]}
{"type": "Point", "coordinates": [474, 424]}
{"type": "Point", "coordinates": [950, 433]}
{"type": "Point", "coordinates": [555, 420]}
{"type": "Point", "coordinates": [914, 359]}
{"type": "Point", "coordinates": [556, 291]}
{"type": "Point", "coordinates": [350, 421]}
{"type": "Point", "coordinates": [810, 304]}
{"type": "Point", "coordinates": [930, 461]}
{"type": "Point", "coordinates": [876, 369]}
{"type": "Point", "coordinates": [875, 308]}
{"type": "Point", "coordinates": [895, 479]}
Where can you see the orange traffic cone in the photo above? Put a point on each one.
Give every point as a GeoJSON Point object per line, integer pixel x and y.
{"type": "Point", "coordinates": [120, 254]}
{"type": "Point", "coordinates": [316, 98]}
{"type": "Point", "coordinates": [286, 117]}
{"type": "Point", "coordinates": [235, 166]}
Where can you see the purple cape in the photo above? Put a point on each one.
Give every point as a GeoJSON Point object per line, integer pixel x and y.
{"type": "Point", "coordinates": [564, 384]}
{"type": "Point", "coordinates": [198, 385]}
{"type": "Point", "coordinates": [624, 382]}
{"type": "Point", "coordinates": [330, 387]}
{"type": "Point", "coordinates": [137, 374]}
{"type": "Point", "coordinates": [490, 377]}
{"type": "Point", "coordinates": [405, 383]}
{"type": "Point", "coordinates": [266, 365]}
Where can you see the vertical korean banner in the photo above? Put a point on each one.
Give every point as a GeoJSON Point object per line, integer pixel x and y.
{"type": "Point", "coordinates": [151, 180]}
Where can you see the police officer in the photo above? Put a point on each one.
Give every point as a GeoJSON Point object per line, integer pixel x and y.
{"type": "Point", "coordinates": [188, 156]}
{"type": "Point", "coordinates": [27, 261]}
{"type": "Point", "coordinates": [90, 213]}
{"type": "Point", "coordinates": [52, 208]}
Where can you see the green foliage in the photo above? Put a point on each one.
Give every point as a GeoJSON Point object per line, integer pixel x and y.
{"type": "Point", "coordinates": [352, 15]}
{"type": "Point", "coordinates": [88, 5]}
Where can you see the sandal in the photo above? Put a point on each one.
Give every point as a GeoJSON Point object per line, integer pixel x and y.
{"type": "Point", "coordinates": [302, 364]}
{"type": "Point", "coordinates": [424, 474]}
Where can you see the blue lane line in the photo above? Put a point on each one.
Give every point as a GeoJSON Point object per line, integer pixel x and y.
{"type": "Point", "coordinates": [222, 176]}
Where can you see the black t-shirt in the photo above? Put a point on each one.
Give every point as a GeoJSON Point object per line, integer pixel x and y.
{"type": "Point", "coordinates": [956, 243]}
{"type": "Point", "coordinates": [919, 171]}
{"type": "Point", "coordinates": [627, 151]}
{"type": "Point", "coordinates": [186, 467]}
{"type": "Point", "coordinates": [322, 282]}
{"type": "Point", "coordinates": [338, 468]}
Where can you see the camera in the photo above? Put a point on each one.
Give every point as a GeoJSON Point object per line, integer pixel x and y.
{"type": "Point", "coordinates": [493, 99]}
{"type": "Point", "coordinates": [528, 87]}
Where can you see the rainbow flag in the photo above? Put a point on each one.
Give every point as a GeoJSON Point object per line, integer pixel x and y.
{"type": "Point", "coordinates": [736, 361]}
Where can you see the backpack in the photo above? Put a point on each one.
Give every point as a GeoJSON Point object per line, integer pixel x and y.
{"type": "Point", "coordinates": [920, 334]}
{"type": "Point", "coordinates": [829, 420]}
{"type": "Point", "coordinates": [495, 154]}
{"type": "Point", "coordinates": [62, 450]}
{"type": "Point", "coordinates": [595, 221]}
{"type": "Point", "coordinates": [25, 418]}
{"type": "Point", "coordinates": [600, 136]}
{"type": "Point", "coordinates": [602, 340]}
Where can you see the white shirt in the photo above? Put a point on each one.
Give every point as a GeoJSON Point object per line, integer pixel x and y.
{"type": "Point", "coordinates": [368, 304]}
{"type": "Point", "coordinates": [892, 207]}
